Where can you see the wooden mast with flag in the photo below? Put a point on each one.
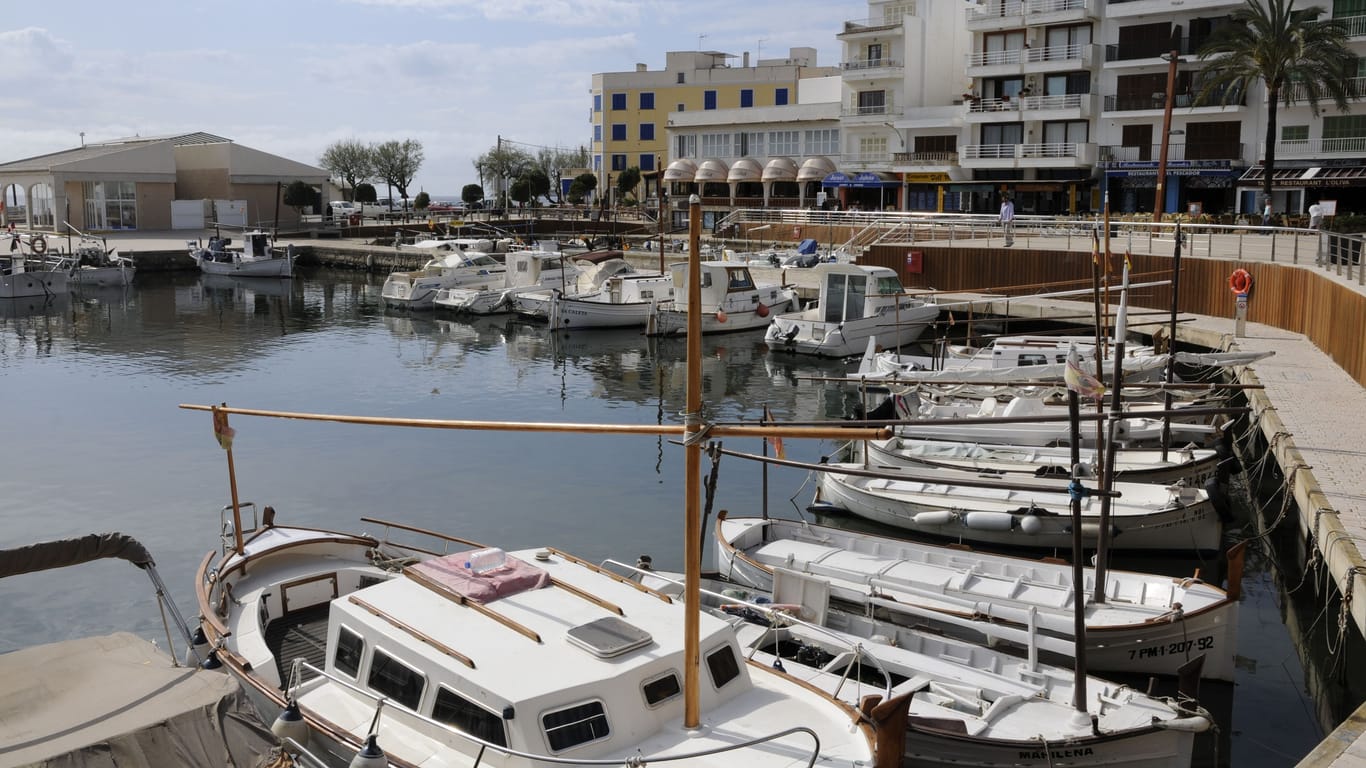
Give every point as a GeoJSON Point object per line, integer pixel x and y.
{"type": "Point", "coordinates": [225, 433]}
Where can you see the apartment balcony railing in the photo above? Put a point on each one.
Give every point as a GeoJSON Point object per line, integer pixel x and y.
{"type": "Point", "coordinates": [993, 58]}
{"type": "Point", "coordinates": [1355, 25]}
{"type": "Point", "coordinates": [867, 110]}
{"type": "Point", "coordinates": [877, 24]}
{"type": "Point", "coordinates": [1152, 49]}
{"type": "Point", "coordinates": [1056, 53]}
{"type": "Point", "coordinates": [862, 65]}
{"type": "Point", "coordinates": [1003, 8]}
{"type": "Point", "coordinates": [1200, 150]}
{"type": "Point", "coordinates": [1356, 89]}
{"type": "Point", "coordinates": [1059, 101]}
{"type": "Point", "coordinates": [1349, 145]}
{"type": "Point", "coordinates": [925, 158]}
{"type": "Point", "coordinates": [1159, 101]}
{"type": "Point", "coordinates": [1061, 150]}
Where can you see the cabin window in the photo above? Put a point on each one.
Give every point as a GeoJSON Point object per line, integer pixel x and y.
{"type": "Point", "coordinates": [1033, 359]}
{"type": "Point", "coordinates": [661, 689]}
{"type": "Point", "coordinates": [569, 727]}
{"type": "Point", "coordinates": [350, 648]}
{"type": "Point", "coordinates": [647, 295]}
{"type": "Point", "coordinates": [723, 666]}
{"type": "Point", "coordinates": [453, 709]}
{"type": "Point", "coordinates": [740, 280]}
{"type": "Point", "coordinates": [394, 679]}
{"type": "Point", "coordinates": [888, 286]}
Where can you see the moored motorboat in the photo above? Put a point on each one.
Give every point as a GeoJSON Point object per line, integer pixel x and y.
{"type": "Point", "coordinates": [611, 294]}
{"type": "Point", "coordinates": [94, 265]}
{"type": "Point", "coordinates": [23, 276]}
{"type": "Point", "coordinates": [963, 506]}
{"type": "Point", "coordinates": [856, 302]}
{"type": "Point", "coordinates": [481, 655]}
{"type": "Point", "coordinates": [970, 705]}
{"type": "Point", "coordinates": [525, 270]}
{"type": "Point", "coordinates": [257, 258]}
{"type": "Point", "coordinates": [451, 263]}
{"type": "Point", "coordinates": [1147, 624]}
{"type": "Point", "coordinates": [732, 300]}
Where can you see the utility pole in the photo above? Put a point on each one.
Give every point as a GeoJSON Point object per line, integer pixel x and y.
{"type": "Point", "coordinates": [660, 169]}
{"type": "Point", "coordinates": [1158, 205]}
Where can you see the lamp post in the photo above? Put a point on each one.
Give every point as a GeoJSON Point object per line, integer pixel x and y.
{"type": "Point", "coordinates": [1172, 58]}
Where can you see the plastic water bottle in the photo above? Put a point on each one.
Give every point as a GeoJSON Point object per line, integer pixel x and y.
{"type": "Point", "coordinates": [484, 560]}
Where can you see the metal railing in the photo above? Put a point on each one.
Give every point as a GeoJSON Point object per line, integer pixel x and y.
{"type": "Point", "coordinates": [1059, 149]}
{"type": "Point", "coordinates": [1214, 151]}
{"type": "Point", "coordinates": [1348, 145]}
{"type": "Point", "coordinates": [859, 65]}
{"type": "Point", "coordinates": [854, 109]}
{"type": "Point", "coordinates": [1058, 101]}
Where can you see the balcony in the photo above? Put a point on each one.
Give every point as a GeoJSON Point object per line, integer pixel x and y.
{"type": "Point", "coordinates": [1311, 149]}
{"type": "Point", "coordinates": [1158, 102]}
{"type": "Point", "coordinates": [1006, 14]}
{"type": "Point", "coordinates": [1066, 106]}
{"type": "Point", "coordinates": [872, 68]}
{"type": "Point", "coordinates": [1122, 8]}
{"type": "Point", "coordinates": [1355, 25]}
{"type": "Point", "coordinates": [1221, 151]}
{"type": "Point", "coordinates": [878, 26]}
{"type": "Point", "coordinates": [925, 159]}
{"type": "Point", "coordinates": [1148, 52]}
{"type": "Point", "coordinates": [1063, 154]}
{"type": "Point", "coordinates": [1356, 89]}
{"type": "Point", "coordinates": [855, 110]}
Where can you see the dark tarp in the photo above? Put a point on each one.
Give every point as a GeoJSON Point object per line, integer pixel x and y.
{"type": "Point", "coordinates": [47, 555]}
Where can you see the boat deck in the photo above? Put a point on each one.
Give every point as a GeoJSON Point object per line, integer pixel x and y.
{"type": "Point", "coordinates": [301, 634]}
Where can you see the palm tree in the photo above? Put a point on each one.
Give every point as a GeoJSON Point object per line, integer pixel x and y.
{"type": "Point", "coordinates": [1296, 56]}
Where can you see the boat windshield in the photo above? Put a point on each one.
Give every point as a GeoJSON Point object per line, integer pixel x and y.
{"type": "Point", "coordinates": [480, 260]}
{"type": "Point", "coordinates": [888, 285]}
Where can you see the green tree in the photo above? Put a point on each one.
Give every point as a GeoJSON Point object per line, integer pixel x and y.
{"type": "Point", "coordinates": [627, 181]}
{"type": "Point", "coordinates": [576, 192]}
{"type": "Point", "coordinates": [350, 161]}
{"type": "Point", "coordinates": [520, 191]}
{"type": "Point", "coordinates": [300, 195]}
{"type": "Point", "coordinates": [365, 193]}
{"type": "Point", "coordinates": [1296, 56]}
{"type": "Point", "coordinates": [586, 182]}
{"type": "Point", "coordinates": [472, 193]}
{"type": "Point", "coordinates": [504, 163]}
{"type": "Point", "coordinates": [422, 201]}
{"type": "Point", "coordinates": [554, 162]}
{"type": "Point", "coordinates": [397, 162]}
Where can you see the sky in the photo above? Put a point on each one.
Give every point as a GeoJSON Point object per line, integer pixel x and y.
{"type": "Point", "coordinates": [292, 77]}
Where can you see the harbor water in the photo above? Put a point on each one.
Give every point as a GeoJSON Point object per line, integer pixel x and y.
{"type": "Point", "coordinates": [93, 440]}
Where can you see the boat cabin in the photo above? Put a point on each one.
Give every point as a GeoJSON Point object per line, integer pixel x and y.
{"type": "Point", "coordinates": [853, 292]}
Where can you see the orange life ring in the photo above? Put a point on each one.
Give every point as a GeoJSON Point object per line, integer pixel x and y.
{"type": "Point", "coordinates": [1240, 281]}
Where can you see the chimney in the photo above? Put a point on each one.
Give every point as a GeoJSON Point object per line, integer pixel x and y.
{"type": "Point", "coordinates": [746, 60]}
{"type": "Point", "coordinates": [642, 67]}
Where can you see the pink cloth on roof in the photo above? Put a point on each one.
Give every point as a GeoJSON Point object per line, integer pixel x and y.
{"type": "Point", "coordinates": [450, 572]}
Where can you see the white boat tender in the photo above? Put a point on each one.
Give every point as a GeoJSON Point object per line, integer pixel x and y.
{"type": "Point", "coordinates": [970, 705]}
{"type": "Point", "coordinates": [514, 659]}
{"type": "Point", "coordinates": [452, 263]}
{"type": "Point", "coordinates": [1149, 624]}
{"type": "Point", "coordinates": [543, 267]}
{"type": "Point", "coordinates": [612, 294]}
{"type": "Point", "coordinates": [731, 300]}
{"type": "Point", "coordinates": [1030, 513]}
{"type": "Point", "coordinates": [856, 302]}
{"type": "Point", "coordinates": [257, 258]}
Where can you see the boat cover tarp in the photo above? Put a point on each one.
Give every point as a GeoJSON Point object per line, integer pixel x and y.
{"type": "Point", "coordinates": [115, 701]}
{"type": "Point", "coordinates": [47, 555]}
{"type": "Point", "coordinates": [807, 246]}
{"type": "Point", "coordinates": [451, 573]}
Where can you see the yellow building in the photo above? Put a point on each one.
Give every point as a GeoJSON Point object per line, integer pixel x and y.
{"type": "Point", "coordinates": [631, 109]}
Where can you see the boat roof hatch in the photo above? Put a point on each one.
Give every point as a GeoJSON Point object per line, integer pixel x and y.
{"type": "Point", "coordinates": [608, 636]}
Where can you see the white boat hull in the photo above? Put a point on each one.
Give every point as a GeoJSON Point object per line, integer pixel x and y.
{"type": "Point", "coordinates": [801, 334]}
{"type": "Point", "coordinates": [1150, 624]}
{"type": "Point", "coordinates": [100, 277]}
{"type": "Point", "coordinates": [36, 283]}
{"type": "Point", "coordinates": [1016, 520]}
{"type": "Point", "coordinates": [280, 266]}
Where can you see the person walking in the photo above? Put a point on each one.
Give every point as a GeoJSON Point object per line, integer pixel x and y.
{"type": "Point", "coordinates": [1008, 219]}
{"type": "Point", "coordinates": [1266, 215]}
{"type": "Point", "coordinates": [1315, 216]}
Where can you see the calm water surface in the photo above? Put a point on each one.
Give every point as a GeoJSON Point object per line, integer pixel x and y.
{"type": "Point", "coordinates": [92, 440]}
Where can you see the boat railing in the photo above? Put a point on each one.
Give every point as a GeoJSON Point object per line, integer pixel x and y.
{"type": "Point", "coordinates": [227, 537]}
{"type": "Point", "coordinates": [300, 666]}
{"type": "Point", "coordinates": [778, 616]}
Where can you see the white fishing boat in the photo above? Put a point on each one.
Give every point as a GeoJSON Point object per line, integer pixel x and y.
{"type": "Point", "coordinates": [1028, 420]}
{"type": "Point", "coordinates": [855, 303]}
{"type": "Point", "coordinates": [451, 263]}
{"type": "Point", "coordinates": [1186, 463]}
{"type": "Point", "coordinates": [543, 267]}
{"type": "Point", "coordinates": [258, 257]}
{"type": "Point", "coordinates": [970, 705]}
{"type": "Point", "coordinates": [95, 265]}
{"type": "Point", "coordinates": [731, 299]}
{"type": "Point", "coordinates": [965, 507]}
{"type": "Point", "coordinates": [611, 294]}
{"type": "Point", "coordinates": [24, 276]}
{"type": "Point", "coordinates": [1148, 623]}
{"type": "Point", "coordinates": [446, 653]}
{"type": "Point", "coordinates": [889, 367]}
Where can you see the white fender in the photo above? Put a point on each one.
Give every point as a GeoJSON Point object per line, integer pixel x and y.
{"type": "Point", "coordinates": [989, 521]}
{"type": "Point", "coordinates": [942, 517]}
{"type": "Point", "coordinates": [1031, 524]}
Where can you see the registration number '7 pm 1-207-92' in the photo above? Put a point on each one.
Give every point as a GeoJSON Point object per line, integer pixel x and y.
{"type": "Point", "coordinates": [1173, 648]}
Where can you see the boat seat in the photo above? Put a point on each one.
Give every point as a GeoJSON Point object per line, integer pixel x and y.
{"type": "Point", "coordinates": [987, 408]}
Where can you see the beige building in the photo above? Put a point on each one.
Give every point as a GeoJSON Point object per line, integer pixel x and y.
{"type": "Point", "coordinates": [155, 183]}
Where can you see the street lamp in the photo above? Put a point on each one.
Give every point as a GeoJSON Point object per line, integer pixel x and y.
{"type": "Point", "coordinates": [1172, 58]}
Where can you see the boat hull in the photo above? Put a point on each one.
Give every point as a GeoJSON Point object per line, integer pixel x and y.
{"type": "Point", "coordinates": [671, 321]}
{"type": "Point", "coordinates": [801, 335]}
{"type": "Point", "coordinates": [36, 283]}
{"type": "Point", "coordinates": [281, 266]}
{"type": "Point", "coordinates": [945, 514]}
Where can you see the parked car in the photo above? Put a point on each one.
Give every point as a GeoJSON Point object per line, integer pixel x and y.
{"type": "Point", "coordinates": [343, 208]}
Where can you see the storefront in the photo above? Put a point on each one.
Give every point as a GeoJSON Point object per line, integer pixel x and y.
{"type": "Point", "coordinates": [1295, 187]}
{"type": "Point", "coordinates": [1204, 186]}
{"type": "Point", "coordinates": [866, 191]}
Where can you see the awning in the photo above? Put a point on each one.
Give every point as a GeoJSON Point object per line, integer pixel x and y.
{"type": "Point", "coordinates": [1316, 176]}
{"type": "Point", "coordinates": [815, 168]}
{"type": "Point", "coordinates": [866, 179]}
{"type": "Point", "coordinates": [711, 170]}
{"type": "Point", "coordinates": [682, 169]}
{"type": "Point", "coordinates": [745, 169]}
{"type": "Point", "coordinates": [780, 169]}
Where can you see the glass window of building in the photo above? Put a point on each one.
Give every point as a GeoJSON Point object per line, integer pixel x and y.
{"type": "Point", "coordinates": [1294, 134]}
{"type": "Point", "coordinates": [647, 100]}
{"type": "Point", "coordinates": [685, 146]}
{"type": "Point", "coordinates": [597, 102]}
{"type": "Point", "coordinates": [751, 144]}
{"type": "Point", "coordinates": [681, 80]}
{"type": "Point", "coordinates": [111, 205]}
{"type": "Point", "coordinates": [597, 133]}
{"type": "Point", "coordinates": [746, 97]}
{"type": "Point", "coordinates": [709, 99]}
{"type": "Point", "coordinates": [824, 141]}
{"type": "Point", "coordinates": [872, 149]}
{"type": "Point", "coordinates": [716, 145]}
{"type": "Point", "coordinates": [784, 143]}
{"type": "Point", "coordinates": [618, 162]}
{"type": "Point", "coordinates": [618, 101]}
{"type": "Point", "coordinates": [647, 162]}
{"type": "Point", "coordinates": [780, 96]}
{"type": "Point", "coordinates": [647, 131]}
{"type": "Point", "coordinates": [618, 131]}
